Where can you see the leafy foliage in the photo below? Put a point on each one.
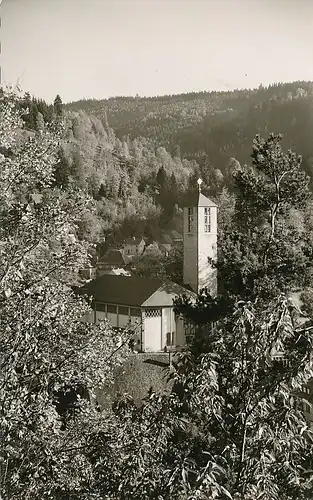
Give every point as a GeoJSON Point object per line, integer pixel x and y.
{"type": "Point", "coordinates": [122, 176]}
{"type": "Point", "coordinates": [254, 422]}
{"type": "Point", "coordinates": [234, 426]}
{"type": "Point", "coordinates": [50, 361]}
{"type": "Point", "coordinates": [268, 248]}
{"type": "Point", "coordinates": [161, 266]}
{"type": "Point", "coordinates": [240, 430]}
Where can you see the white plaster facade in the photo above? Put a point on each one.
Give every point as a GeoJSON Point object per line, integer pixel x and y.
{"type": "Point", "coordinates": [200, 245]}
{"type": "Point", "coordinates": [156, 328]}
{"type": "Point", "coordinates": [133, 247]}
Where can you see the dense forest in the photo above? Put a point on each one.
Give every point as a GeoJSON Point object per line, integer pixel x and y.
{"type": "Point", "coordinates": [220, 125]}
{"type": "Point", "coordinates": [139, 157]}
{"type": "Point", "coordinates": [136, 187]}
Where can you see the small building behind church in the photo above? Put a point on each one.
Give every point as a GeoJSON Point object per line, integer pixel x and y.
{"type": "Point", "coordinates": [113, 259]}
{"type": "Point", "coordinates": [133, 247]}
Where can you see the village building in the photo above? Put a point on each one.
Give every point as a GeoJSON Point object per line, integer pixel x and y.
{"type": "Point", "coordinates": [133, 247]}
{"type": "Point", "coordinates": [169, 240]}
{"type": "Point", "coordinates": [148, 303]}
{"type": "Point", "coordinates": [113, 259]}
{"type": "Point", "coordinates": [165, 244]}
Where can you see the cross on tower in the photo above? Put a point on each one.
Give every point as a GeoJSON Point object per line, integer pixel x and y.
{"type": "Point", "coordinates": [199, 182]}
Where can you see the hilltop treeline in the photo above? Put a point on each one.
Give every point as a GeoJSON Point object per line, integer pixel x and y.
{"type": "Point", "coordinates": [220, 125]}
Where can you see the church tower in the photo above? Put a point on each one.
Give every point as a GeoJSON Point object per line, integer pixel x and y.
{"type": "Point", "coordinates": [200, 243]}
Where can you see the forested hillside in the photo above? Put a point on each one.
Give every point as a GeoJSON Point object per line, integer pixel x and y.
{"type": "Point", "coordinates": [136, 186]}
{"type": "Point", "coordinates": [138, 157]}
{"type": "Point", "coordinates": [219, 124]}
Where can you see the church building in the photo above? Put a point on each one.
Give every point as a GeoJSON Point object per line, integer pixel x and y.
{"type": "Point", "coordinates": [148, 303]}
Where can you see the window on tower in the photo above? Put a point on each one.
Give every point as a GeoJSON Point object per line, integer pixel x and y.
{"type": "Point", "coordinates": [207, 220]}
{"type": "Point", "coordinates": [190, 220]}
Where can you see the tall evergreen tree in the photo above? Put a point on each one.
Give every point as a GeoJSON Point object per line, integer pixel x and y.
{"type": "Point", "coordinates": [173, 190]}
{"type": "Point", "coordinates": [58, 105]}
{"type": "Point", "coordinates": [161, 178]}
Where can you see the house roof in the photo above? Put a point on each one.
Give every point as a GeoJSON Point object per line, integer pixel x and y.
{"type": "Point", "coordinates": [165, 294]}
{"type": "Point", "coordinates": [197, 199]}
{"type": "Point", "coordinates": [175, 235]}
{"type": "Point", "coordinates": [114, 257]}
{"type": "Point", "coordinates": [131, 290]}
{"type": "Point", "coordinates": [133, 241]}
{"type": "Point", "coordinates": [120, 272]}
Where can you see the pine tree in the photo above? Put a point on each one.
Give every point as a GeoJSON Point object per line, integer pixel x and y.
{"type": "Point", "coordinates": [58, 105]}
{"type": "Point", "coordinates": [102, 190]}
{"type": "Point", "coordinates": [173, 188]}
{"type": "Point", "coordinates": [161, 178]}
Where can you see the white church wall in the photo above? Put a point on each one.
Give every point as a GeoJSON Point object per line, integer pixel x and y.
{"type": "Point", "coordinates": [190, 249]}
{"type": "Point", "coordinates": [207, 249]}
{"type": "Point", "coordinates": [123, 316]}
{"type": "Point", "coordinates": [119, 316]}
{"type": "Point", "coordinates": [112, 314]}
{"type": "Point", "coordinates": [152, 330]}
{"type": "Point", "coordinates": [180, 332]}
{"type": "Point", "coordinates": [200, 245]}
{"type": "Point", "coordinates": [167, 327]}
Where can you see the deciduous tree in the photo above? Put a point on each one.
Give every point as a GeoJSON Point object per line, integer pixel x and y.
{"type": "Point", "coordinates": [262, 254]}
{"type": "Point", "coordinates": [50, 361]}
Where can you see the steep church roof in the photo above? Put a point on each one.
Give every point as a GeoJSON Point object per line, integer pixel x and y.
{"type": "Point", "coordinates": [132, 290]}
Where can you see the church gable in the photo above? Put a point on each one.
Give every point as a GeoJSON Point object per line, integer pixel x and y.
{"type": "Point", "coordinates": [165, 294]}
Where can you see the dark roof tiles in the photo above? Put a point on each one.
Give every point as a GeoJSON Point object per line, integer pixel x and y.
{"type": "Point", "coordinates": [113, 257]}
{"type": "Point", "coordinates": [124, 290]}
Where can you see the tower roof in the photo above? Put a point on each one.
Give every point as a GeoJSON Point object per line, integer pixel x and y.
{"type": "Point", "coordinates": [197, 199]}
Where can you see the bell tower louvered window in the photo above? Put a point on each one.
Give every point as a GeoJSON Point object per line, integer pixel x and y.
{"type": "Point", "coordinates": [190, 220]}
{"type": "Point", "coordinates": [207, 220]}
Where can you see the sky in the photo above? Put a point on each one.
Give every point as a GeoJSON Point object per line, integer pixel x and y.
{"type": "Point", "coordinates": [102, 48]}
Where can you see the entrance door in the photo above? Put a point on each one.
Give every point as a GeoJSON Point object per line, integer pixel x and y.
{"type": "Point", "coordinates": [153, 329]}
